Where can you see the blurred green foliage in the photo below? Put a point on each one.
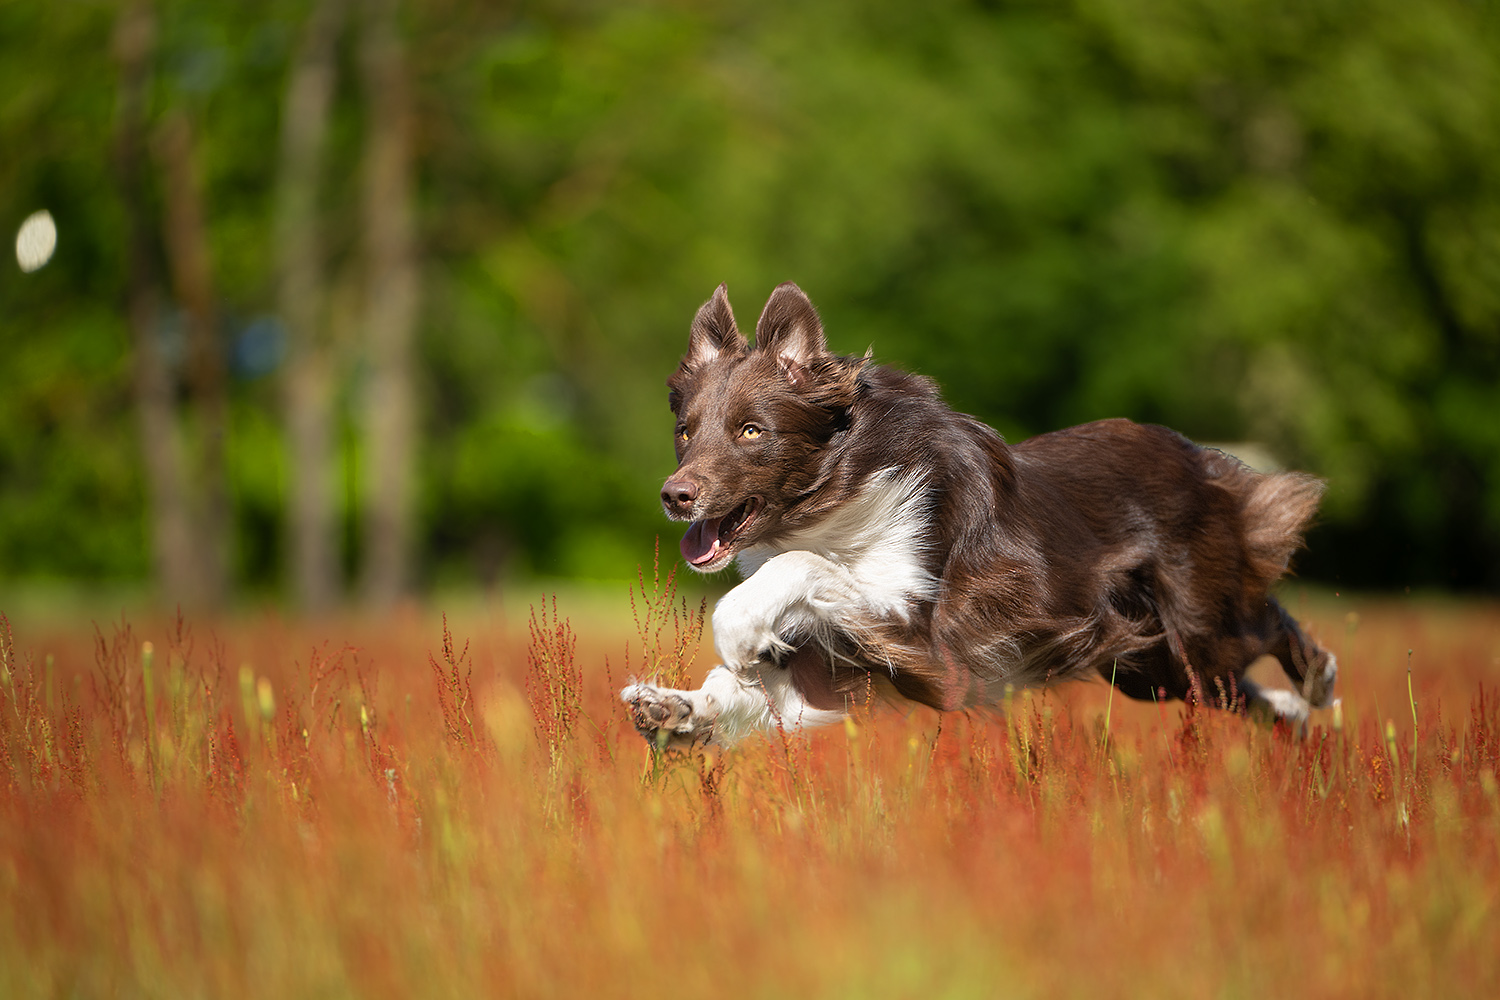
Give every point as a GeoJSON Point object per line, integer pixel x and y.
{"type": "Point", "coordinates": [1249, 220]}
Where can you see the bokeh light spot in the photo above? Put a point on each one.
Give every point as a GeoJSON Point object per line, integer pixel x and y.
{"type": "Point", "coordinates": [35, 241]}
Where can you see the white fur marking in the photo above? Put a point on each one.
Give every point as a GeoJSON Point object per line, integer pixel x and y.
{"type": "Point", "coordinates": [1286, 705]}
{"type": "Point", "coordinates": [734, 704]}
{"type": "Point", "coordinates": [862, 562]}
{"type": "Point", "coordinates": [878, 538]}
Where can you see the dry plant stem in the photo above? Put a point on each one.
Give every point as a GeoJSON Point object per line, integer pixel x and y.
{"type": "Point", "coordinates": [1109, 707]}
{"type": "Point", "coordinates": [554, 681]}
{"type": "Point", "coordinates": [1411, 698]}
{"type": "Point", "coordinates": [455, 691]}
{"type": "Point", "coordinates": [665, 662]}
{"type": "Point", "coordinates": [669, 633]}
{"type": "Point", "coordinates": [148, 693]}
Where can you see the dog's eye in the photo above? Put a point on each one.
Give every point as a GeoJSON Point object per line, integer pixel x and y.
{"type": "Point", "coordinates": [750, 432]}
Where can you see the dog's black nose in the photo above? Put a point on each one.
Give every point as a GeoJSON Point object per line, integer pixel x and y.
{"type": "Point", "coordinates": [679, 494]}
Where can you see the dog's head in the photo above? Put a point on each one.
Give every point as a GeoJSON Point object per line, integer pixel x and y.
{"type": "Point", "coordinates": [756, 426]}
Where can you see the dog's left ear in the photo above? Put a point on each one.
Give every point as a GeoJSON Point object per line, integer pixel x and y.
{"type": "Point", "coordinates": [789, 329]}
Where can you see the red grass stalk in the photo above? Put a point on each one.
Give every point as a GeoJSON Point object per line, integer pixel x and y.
{"type": "Point", "coordinates": [455, 692]}
{"type": "Point", "coordinates": [554, 681]}
{"type": "Point", "coordinates": [28, 748]}
{"type": "Point", "coordinates": [668, 630]}
{"type": "Point", "coordinates": [114, 685]}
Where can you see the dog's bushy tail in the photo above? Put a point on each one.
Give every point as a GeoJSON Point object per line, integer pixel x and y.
{"type": "Point", "coordinates": [1277, 510]}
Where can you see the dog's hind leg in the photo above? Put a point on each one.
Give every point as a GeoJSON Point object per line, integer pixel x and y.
{"type": "Point", "coordinates": [1309, 666]}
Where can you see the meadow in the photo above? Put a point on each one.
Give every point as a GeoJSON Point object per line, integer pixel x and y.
{"type": "Point", "coordinates": [424, 805]}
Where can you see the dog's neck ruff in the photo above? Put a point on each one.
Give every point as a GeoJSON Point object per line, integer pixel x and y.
{"type": "Point", "coordinates": [879, 536]}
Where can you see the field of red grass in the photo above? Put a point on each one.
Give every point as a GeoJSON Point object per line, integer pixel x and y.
{"type": "Point", "coordinates": [260, 808]}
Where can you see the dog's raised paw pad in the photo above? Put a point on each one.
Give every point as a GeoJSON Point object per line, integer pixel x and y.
{"type": "Point", "coordinates": [651, 710]}
{"type": "Point", "coordinates": [665, 719]}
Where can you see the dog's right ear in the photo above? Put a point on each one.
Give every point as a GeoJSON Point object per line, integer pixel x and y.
{"type": "Point", "coordinates": [714, 332]}
{"type": "Point", "coordinates": [789, 330]}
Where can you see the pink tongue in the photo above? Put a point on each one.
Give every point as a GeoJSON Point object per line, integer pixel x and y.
{"type": "Point", "coordinates": [701, 543]}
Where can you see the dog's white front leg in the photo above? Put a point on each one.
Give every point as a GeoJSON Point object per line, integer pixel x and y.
{"type": "Point", "coordinates": [793, 594]}
{"type": "Point", "coordinates": [731, 705]}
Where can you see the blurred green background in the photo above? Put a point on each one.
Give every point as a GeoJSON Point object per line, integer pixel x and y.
{"type": "Point", "coordinates": [1254, 221]}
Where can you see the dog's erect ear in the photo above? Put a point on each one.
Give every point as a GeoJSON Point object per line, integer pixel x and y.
{"type": "Point", "coordinates": [714, 332]}
{"type": "Point", "coordinates": [790, 330]}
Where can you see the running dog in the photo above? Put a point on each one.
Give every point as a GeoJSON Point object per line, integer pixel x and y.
{"type": "Point", "coordinates": [883, 536]}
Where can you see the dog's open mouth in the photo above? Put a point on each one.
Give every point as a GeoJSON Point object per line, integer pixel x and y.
{"type": "Point", "coordinates": [711, 541]}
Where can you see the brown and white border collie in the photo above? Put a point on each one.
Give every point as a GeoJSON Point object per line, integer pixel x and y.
{"type": "Point", "coordinates": [882, 535]}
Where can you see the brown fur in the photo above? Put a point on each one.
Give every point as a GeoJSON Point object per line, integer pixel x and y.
{"type": "Point", "coordinates": [1109, 549]}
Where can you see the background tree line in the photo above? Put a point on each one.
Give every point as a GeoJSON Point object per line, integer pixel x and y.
{"type": "Point", "coordinates": [352, 298]}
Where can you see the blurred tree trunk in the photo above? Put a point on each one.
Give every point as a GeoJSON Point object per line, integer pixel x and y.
{"type": "Point", "coordinates": [390, 306]}
{"type": "Point", "coordinates": [166, 487]}
{"type": "Point", "coordinates": [309, 373]}
{"type": "Point", "coordinates": [192, 280]}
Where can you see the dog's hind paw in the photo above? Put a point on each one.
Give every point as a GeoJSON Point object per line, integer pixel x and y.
{"type": "Point", "coordinates": [1276, 705]}
{"type": "Point", "coordinates": [666, 719]}
{"type": "Point", "coordinates": [1318, 687]}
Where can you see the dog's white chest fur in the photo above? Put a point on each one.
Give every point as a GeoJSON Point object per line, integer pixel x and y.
{"type": "Point", "coordinates": [861, 563]}
{"type": "Point", "coordinates": [878, 539]}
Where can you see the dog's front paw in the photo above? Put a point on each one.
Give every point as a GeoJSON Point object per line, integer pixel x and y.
{"type": "Point", "coordinates": [666, 718]}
